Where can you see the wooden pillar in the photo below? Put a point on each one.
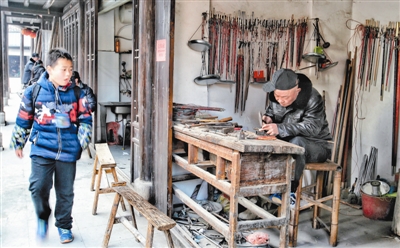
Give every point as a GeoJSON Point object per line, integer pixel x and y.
{"type": "Point", "coordinates": [146, 89]}
{"type": "Point", "coordinates": [21, 58]}
{"type": "Point", "coordinates": [163, 96]}
{"type": "Point", "coordinates": [4, 47]}
{"type": "Point", "coordinates": [2, 114]}
{"type": "Point", "coordinates": [134, 141]}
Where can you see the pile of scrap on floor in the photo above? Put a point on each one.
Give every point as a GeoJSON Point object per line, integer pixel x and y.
{"type": "Point", "coordinates": [202, 232]}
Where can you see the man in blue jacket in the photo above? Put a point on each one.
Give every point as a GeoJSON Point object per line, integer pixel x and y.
{"type": "Point", "coordinates": [59, 127]}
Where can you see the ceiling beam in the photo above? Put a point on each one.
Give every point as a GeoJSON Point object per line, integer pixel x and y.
{"type": "Point", "coordinates": [31, 10]}
{"type": "Point", "coordinates": [24, 24]}
{"type": "Point", "coordinates": [23, 16]}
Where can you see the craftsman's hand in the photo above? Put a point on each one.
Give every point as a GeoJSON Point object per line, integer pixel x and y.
{"type": "Point", "coordinates": [266, 119]}
{"type": "Point", "coordinates": [19, 153]}
{"type": "Point", "coordinates": [271, 129]}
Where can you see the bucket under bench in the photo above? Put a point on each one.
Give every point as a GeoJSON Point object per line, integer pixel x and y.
{"type": "Point", "coordinates": [240, 168]}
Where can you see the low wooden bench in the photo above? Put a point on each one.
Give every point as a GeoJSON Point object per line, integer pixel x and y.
{"type": "Point", "coordinates": [102, 161]}
{"type": "Point", "coordinates": [155, 218]}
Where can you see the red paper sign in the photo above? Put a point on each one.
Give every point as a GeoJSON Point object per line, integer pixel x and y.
{"type": "Point", "coordinates": [161, 50]}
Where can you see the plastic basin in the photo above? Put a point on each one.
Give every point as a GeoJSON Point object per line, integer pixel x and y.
{"type": "Point", "coordinates": [121, 110]}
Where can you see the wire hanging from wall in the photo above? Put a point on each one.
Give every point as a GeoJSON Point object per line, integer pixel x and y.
{"type": "Point", "coordinates": [203, 46]}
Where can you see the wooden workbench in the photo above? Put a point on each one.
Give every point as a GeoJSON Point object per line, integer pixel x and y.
{"type": "Point", "coordinates": [243, 168]}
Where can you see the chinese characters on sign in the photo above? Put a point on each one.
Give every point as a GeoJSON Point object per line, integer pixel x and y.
{"type": "Point", "coordinates": [161, 50]}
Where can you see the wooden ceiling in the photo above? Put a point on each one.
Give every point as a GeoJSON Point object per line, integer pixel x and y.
{"type": "Point", "coordinates": [32, 13]}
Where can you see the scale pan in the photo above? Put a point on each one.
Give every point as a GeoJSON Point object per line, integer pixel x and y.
{"type": "Point", "coordinates": [199, 45]}
{"type": "Point", "coordinates": [313, 57]}
{"type": "Point", "coordinates": [326, 66]}
{"type": "Point", "coordinates": [225, 82]}
{"type": "Point", "coordinates": [207, 79]}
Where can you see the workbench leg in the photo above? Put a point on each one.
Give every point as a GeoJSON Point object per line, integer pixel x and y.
{"type": "Point", "coordinates": [149, 236]}
{"type": "Point", "coordinates": [294, 216]}
{"type": "Point", "coordinates": [169, 239]}
{"type": "Point", "coordinates": [94, 173]}
{"type": "Point", "coordinates": [111, 219]}
{"type": "Point", "coordinates": [234, 201]}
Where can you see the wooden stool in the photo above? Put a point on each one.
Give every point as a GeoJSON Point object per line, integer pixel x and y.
{"type": "Point", "coordinates": [318, 201]}
{"type": "Point", "coordinates": [103, 161]}
{"type": "Point", "coordinates": [154, 216]}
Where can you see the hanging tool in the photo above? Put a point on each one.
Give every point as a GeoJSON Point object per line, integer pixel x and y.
{"type": "Point", "coordinates": [396, 100]}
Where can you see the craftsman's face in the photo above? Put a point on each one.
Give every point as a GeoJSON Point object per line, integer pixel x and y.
{"type": "Point", "coordinates": [286, 97]}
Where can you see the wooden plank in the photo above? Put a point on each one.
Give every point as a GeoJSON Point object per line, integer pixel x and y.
{"type": "Point", "coordinates": [213, 148]}
{"type": "Point", "coordinates": [104, 155]}
{"type": "Point", "coordinates": [326, 166]}
{"type": "Point", "coordinates": [220, 168]}
{"type": "Point", "coordinates": [262, 189]}
{"type": "Point", "coordinates": [224, 186]}
{"type": "Point", "coordinates": [192, 154]}
{"type": "Point", "coordinates": [153, 215]}
{"type": "Point", "coordinates": [212, 220]}
{"type": "Point", "coordinates": [261, 224]}
{"type": "Point", "coordinates": [184, 177]}
{"type": "Point", "coordinates": [260, 212]}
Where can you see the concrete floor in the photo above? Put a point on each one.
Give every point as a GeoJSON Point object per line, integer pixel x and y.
{"type": "Point", "coordinates": [18, 221]}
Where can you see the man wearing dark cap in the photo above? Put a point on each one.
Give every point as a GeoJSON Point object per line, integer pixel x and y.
{"type": "Point", "coordinates": [28, 70]}
{"type": "Point", "coordinates": [296, 114]}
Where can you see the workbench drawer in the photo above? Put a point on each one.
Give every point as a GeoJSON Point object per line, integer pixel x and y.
{"type": "Point", "coordinates": [260, 168]}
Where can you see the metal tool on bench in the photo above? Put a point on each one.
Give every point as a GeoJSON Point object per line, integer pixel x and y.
{"type": "Point", "coordinates": [263, 135]}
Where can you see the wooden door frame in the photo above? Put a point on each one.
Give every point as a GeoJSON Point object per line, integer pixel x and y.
{"type": "Point", "coordinates": [154, 83]}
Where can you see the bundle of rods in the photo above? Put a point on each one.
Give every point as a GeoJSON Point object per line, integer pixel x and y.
{"type": "Point", "coordinates": [380, 54]}
{"type": "Point", "coordinates": [367, 170]}
{"type": "Point", "coordinates": [377, 49]}
{"type": "Point", "coordinates": [247, 50]}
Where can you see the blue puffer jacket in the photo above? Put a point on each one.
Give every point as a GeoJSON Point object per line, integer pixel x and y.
{"type": "Point", "coordinates": [48, 140]}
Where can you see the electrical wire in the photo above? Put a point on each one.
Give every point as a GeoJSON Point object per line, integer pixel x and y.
{"type": "Point", "coordinates": [352, 43]}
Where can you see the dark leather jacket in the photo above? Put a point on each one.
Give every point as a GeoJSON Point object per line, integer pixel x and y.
{"type": "Point", "coordinates": [37, 71]}
{"type": "Point", "coordinates": [304, 117]}
{"type": "Point", "coordinates": [28, 71]}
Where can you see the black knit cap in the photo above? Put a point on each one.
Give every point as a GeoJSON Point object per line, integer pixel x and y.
{"type": "Point", "coordinates": [283, 79]}
{"type": "Point", "coordinates": [35, 55]}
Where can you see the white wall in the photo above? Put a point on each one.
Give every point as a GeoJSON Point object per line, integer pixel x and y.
{"type": "Point", "coordinates": [109, 67]}
{"type": "Point", "coordinates": [333, 16]}
{"type": "Point", "coordinates": [374, 120]}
